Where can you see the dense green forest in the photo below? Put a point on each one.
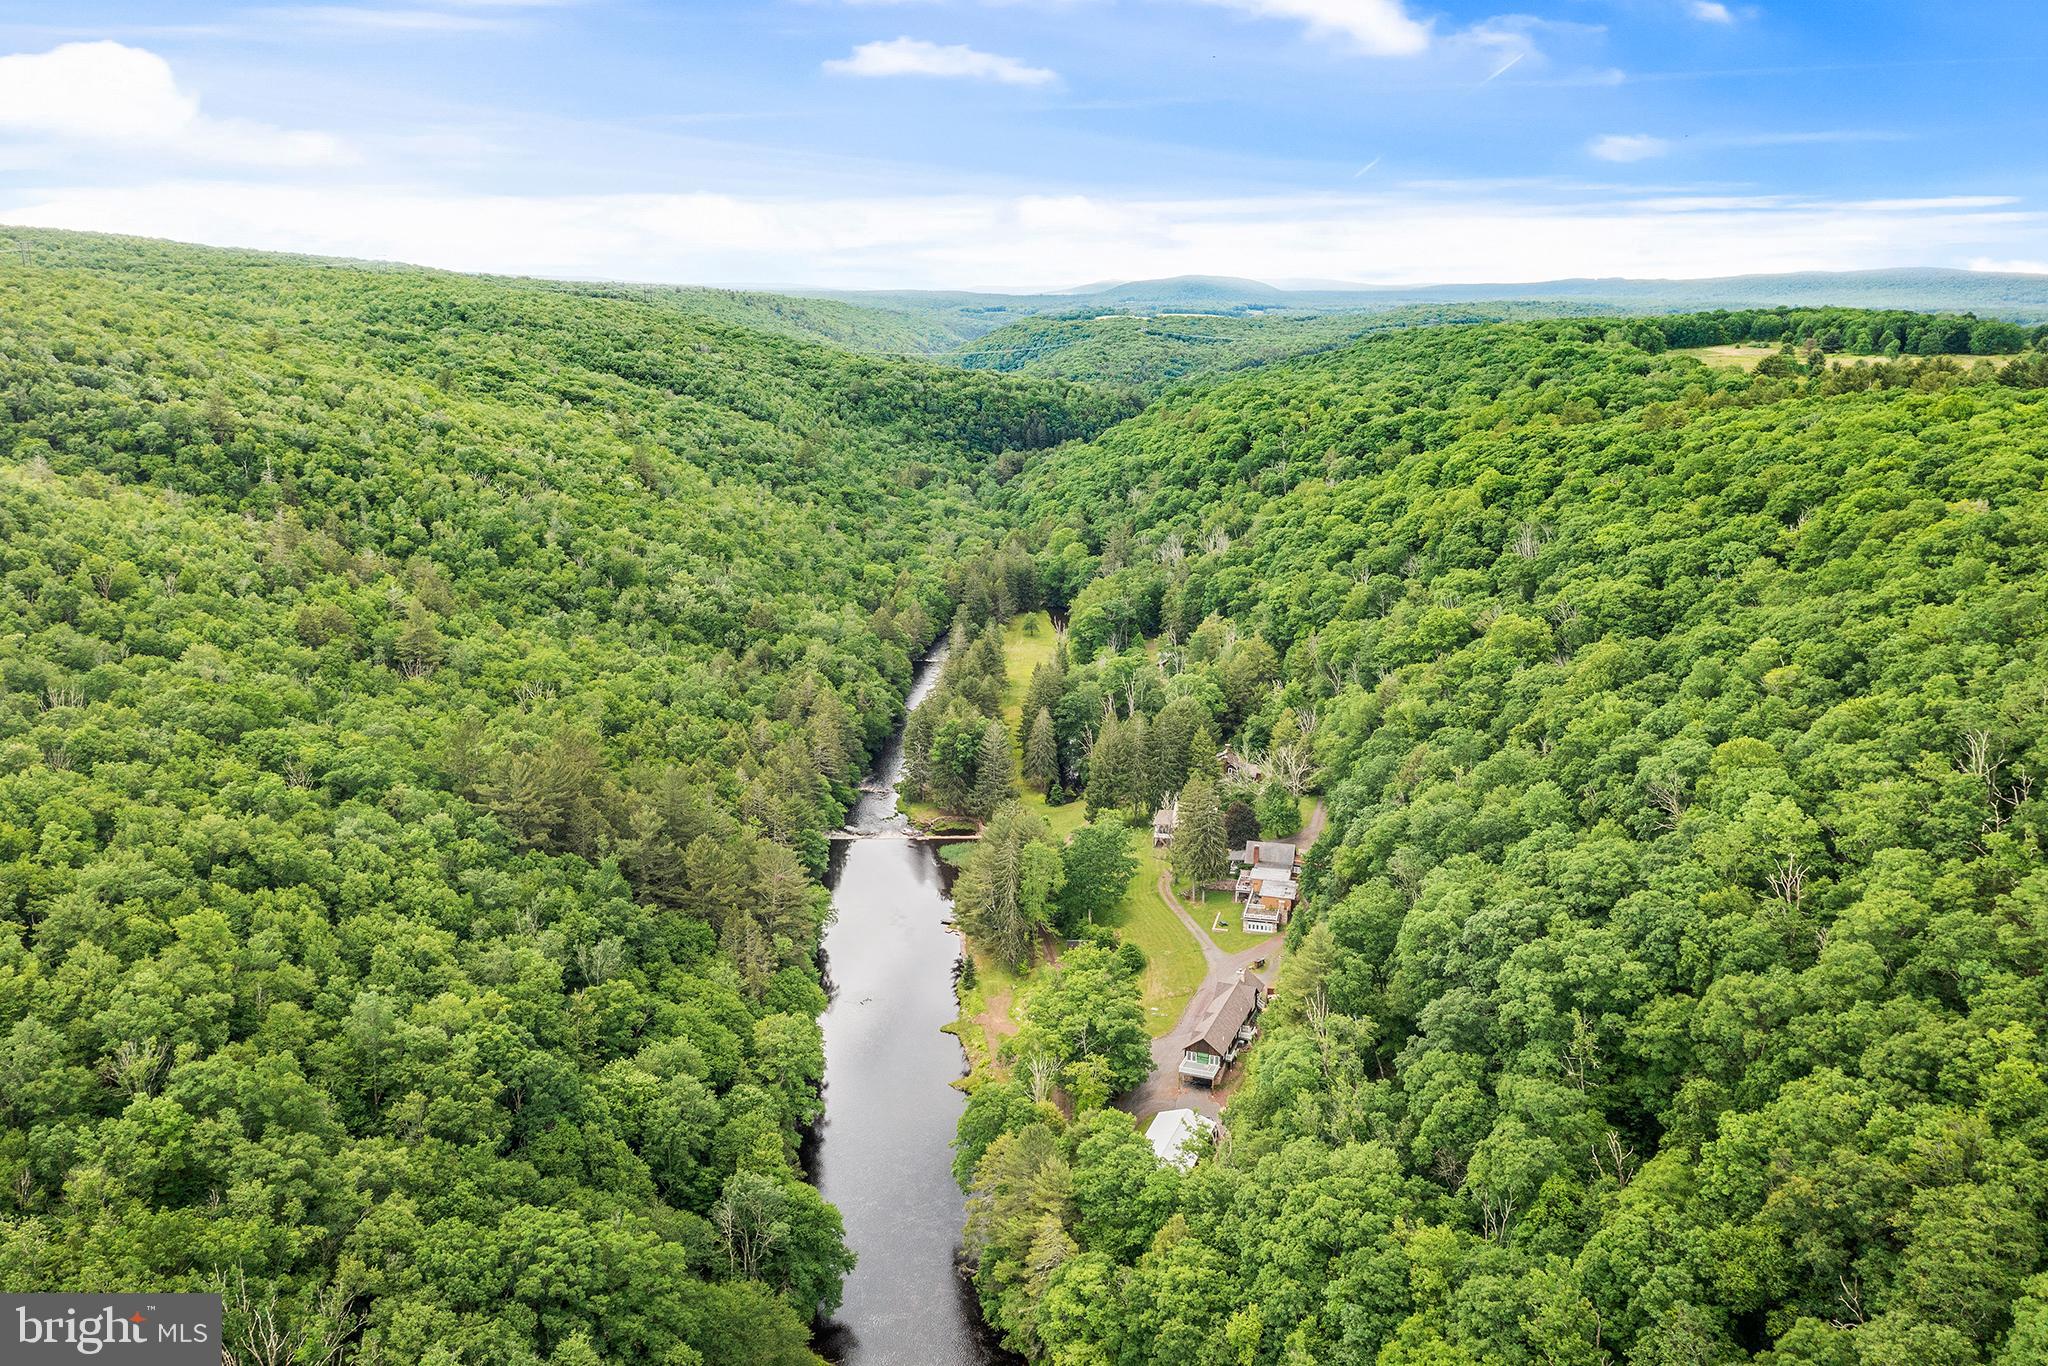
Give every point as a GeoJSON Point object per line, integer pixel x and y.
{"type": "Point", "coordinates": [1149, 353]}
{"type": "Point", "coordinates": [1669, 987]}
{"type": "Point", "coordinates": [831, 321]}
{"type": "Point", "coordinates": [423, 702]}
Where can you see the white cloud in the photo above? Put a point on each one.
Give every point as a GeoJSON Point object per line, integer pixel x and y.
{"type": "Point", "coordinates": [440, 16]}
{"type": "Point", "coordinates": [915, 57]}
{"type": "Point", "coordinates": [369, 20]}
{"type": "Point", "coordinates": [1469, 235]}
{"type": "Point", "coordinates": [1997, 267]}
{"type": "Point", "coordinates": [126, 98]}
{"type": "Point", "coordinates": [1381, 28]}
{"type": "Point", "coordinates": [1711, 12]}
{"type": "Point", "coordinates": [1627, 147]}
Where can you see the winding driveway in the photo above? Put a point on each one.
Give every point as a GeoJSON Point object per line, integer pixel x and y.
{"type": "Point", "coordinates": [1164, 1089]}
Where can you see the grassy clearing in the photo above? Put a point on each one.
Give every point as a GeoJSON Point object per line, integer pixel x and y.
{"type": "Point", "coordinates": [987, 1011]}
{"type": "Point", "coordinates": [1173, 960]}
{"type": "Point", "coordinates": [1748, 355]}
{"type": "Point", "coordinates": [1222, 906]}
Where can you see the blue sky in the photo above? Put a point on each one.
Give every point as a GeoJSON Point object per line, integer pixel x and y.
{"type": "Point", "coordinates": [1043, 143]}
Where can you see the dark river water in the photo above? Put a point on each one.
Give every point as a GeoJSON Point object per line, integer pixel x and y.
{"type": "Point", "coordinates": [883, 1152]}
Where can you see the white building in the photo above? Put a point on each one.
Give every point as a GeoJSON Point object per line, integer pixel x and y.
{"type": "Point", "coordinates": [1177, 1135]}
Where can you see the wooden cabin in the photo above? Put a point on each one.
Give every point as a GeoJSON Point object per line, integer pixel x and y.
{"type": "Point", "coordinates": [1226, 1029]}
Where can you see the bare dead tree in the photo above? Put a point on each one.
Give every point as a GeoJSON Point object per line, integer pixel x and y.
{"type": "Point", "coordinates": [136, 1065]}
{"type": "Point", "coordinates": [1582, 1054]}
{"type": "Point", "coordinates": [1042, 1073]}
{"type": "Point", "coordinates": [1851, 1298]}
{"type": "Point", "coordinates": [1612, 1157]}
{"type": "Point", "coordinates": [1984, 758]}
{"type": "Point", "coordinates": [256, 1333]}
{"type": "Point", "coordinates": [1667, 795]}
{"type": "Point", "coordinates": [747, 1227]}
{"type": "Point", "coordinates": [1495, 1212]}
{"type": "Point", "coordinates": [1291, 766]}
{"type": "Point", "coordinates": [1788, 881]}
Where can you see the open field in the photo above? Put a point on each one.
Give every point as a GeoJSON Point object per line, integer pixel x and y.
{"type": "Point", "coordinates": [1173, 960]}
{"type": "Point", "coordinates": [1748, 355]}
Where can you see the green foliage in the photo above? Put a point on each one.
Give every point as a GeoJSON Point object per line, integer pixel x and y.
{"type": "Point", "coordinates": [1099, 867]}
{"type": "Point", "coordinates": [1150, 352]}
{"type": "Point", "coordinates": [1199, 852]}
{"type": "Point", "coordinates": [1279, 815]}
{"type": "Point", "coordinates": [1670, 981]}
{"type": "Point", "coordinates": [1085, 1011]}
{"type": "Point", "coordinates": [423, 702]}
{"type": "Point", "coordinates": [1006, 890]}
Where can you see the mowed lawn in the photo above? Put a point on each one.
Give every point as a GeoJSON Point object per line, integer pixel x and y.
{"type": "Point", "coordinates": [1174, 966]}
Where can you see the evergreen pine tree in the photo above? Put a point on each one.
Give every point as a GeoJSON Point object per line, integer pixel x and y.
{"type": "Point", "coordinates": [1109, 775]}
{"type": "Point", "coordinates": [1042, 752]}
{"type": "Point", "coordinates": [1139, 789]}
{"type": "Point", "coordinates": [1199, 851]}
{"type": "Point", "coordinates": [993, 771]}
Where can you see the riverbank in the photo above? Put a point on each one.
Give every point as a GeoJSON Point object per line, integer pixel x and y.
{"type": "Point", "coordinates": [882, 1153]}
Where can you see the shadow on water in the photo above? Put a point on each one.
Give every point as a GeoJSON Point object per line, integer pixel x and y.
{"type": "Point", "coordinates": [883, 1151]}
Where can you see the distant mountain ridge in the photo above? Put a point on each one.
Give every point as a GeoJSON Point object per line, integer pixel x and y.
{"type": "Point", "coordinates": [2019, 297]}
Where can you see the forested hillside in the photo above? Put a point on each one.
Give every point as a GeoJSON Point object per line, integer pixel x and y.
{"type": "Point", "coordinates": [836, 323]}
{"type": "Point", "coordinates": [1669, 987]}
{"type": "Point", "coordinates": [423, 702]}
{"type": "Point", "coordinates": [1150, 352]}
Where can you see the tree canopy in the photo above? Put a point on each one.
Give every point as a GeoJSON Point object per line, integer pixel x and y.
{"type": "Point", "coordinates": [423, 703]}
{"type": "Point", "coordinates": [1668, 986]}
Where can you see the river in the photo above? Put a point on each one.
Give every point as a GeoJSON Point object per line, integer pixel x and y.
{"type": "Point", "coordinates": [883, 1152]}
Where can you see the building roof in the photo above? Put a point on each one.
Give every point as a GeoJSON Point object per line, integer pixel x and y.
{"type": "Point", "coordinates": [1281, 888]}
{"type": "Point", "coordinates": [1170, 1132]}
{"type": "Point", "coordinates": [1217, 1033]}
{"type": "Point", "coordinates": [1268, 853]}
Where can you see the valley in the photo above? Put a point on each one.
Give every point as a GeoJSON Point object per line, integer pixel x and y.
{"type": "Point", "coordinates": [453, 898]}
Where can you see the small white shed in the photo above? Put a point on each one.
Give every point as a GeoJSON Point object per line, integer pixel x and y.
{"type": "Point", "coordinates": [1172, 1133]}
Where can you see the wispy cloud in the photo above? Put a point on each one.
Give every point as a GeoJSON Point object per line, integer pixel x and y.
{"type": "Point", "coordinates": [1380, 28]}
{"type": "Point", "coordinates": [373, 20]}
{"type": "Point", "coordinates": [1627, 147]}
{"type": "Point", "coordinates": [127, 99]}
{"type": "Point", "coordinates": [1711, 12]}
{"type": "Point", "coordinates": [915, 57]}
{"type": "Point", "coordinates": [1645, 146]}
